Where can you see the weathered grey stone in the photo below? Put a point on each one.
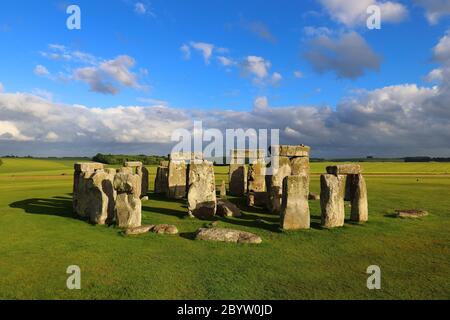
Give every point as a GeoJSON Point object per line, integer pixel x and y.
{"type": "Point", "coordinates": [88, 166]}
{"type": "Point", "coordinates": [257, 191]}
{"type": "Point", "coordinates": [164, 163]}
{"type": "Point", "coordinates": [360, 208]}
{"type": "Point", "coordinates": [142, 172]}
{"type": "Point", "coordinates": [227, 235]}
{"type": "Point", "coordinates": [295, 207]}
{"type": "Point", "coordinates": [257, 199]}
{"type": "Point", "coordinates": [128, 204]}
{"type": "Point", "coordinates": [139, 230]}
{"type": "Point", "coordinates": [237, 179]}
{"type": "Point", "coordinates": [313, 196]}
{"type": "Point", "coordinates": [226, 208]}
{"type": "Point", "coordinates": [185, 156]}
{"type": "Point", "coordinates": [177, 179]}
{"type": "Point", "coordinates": [79, 187]}
{"type": "Point", "coordinates": [300, 166]}
{"type": "Point", "coordinates": [223, 190]}
{"type": "Point", "coordinates": [281, 171]}
{"type": "Point", "coordinates": [126, 170]}
{"type": "Point", "coordinates": [161, 180]}
{"type": "Point", "coordinates": [102, 196]}
{"type": "Point", "coordinates": [133, 164]}
{"type": "Point", "coordinates": [164, 229]}
{"type": "Point", "coordinates": [411, 213]}
{"type": "Point", "coordinates": [239, 156]}
{"type": "Point", "coordinates": [202, 190]}
{"type": "Point", "coordinates": [290, 151]}
{"type": "Point", "coordinates": [344, 169]}
{"type": "Point", "coordinates": [332, 190]}
{"type": "Point", "coordinates": [95, 196]}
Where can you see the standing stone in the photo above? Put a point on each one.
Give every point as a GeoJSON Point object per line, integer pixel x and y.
{"type": "Point", "coordinates": [161, 180]}
{"type": "Point", "coordinates": [82, 172]}
{"type": "Point", "coordinates": [128, 203]}
{"type": "Point", "coordinates": [223, 190]}
{"type": "Point", "coordinates": [238, 179]}
{"type": "Point", "coordinates": [177, 179]}
{"type": "Point", "coordinates": [102, 197]}
{"type": "Point", "coordinates": [360, 209]}
{"type": "Point", "coordinates": [257, 192]}
{"type": "Point", "coordinates": [276, 184]}
{"type": "Point", "coordinates": [202, 190]}
{"type": "Point", "coordinates": [295, 207]}
{"type": "Point", "coordinates": [332, 190]}
{"type": "Point", "coordinates": [142, 172]}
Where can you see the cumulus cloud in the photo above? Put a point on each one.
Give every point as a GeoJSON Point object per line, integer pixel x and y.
{"type": "Point", "coordinates": [256, 66]}
{"type": "Point", "coordinates": [206, 49]}
{"type": "Point", "coordinates": [348, 55]}
{"type": "Point", "coordinates": [40, 70]}
{"type": "Point", "coordinates": [353, 13]}
{"type": "Point", "coordinates": [186, 50]}
{"type": "Point", "coordinates": [226, 62]}
{"type": "Point", "coordinates": [102, 76]}
{"type": "Point", "coordinates": [434, 9]}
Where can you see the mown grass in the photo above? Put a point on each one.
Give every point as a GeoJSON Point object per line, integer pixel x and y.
{"type": "Point", "coordinates": [39, 238]}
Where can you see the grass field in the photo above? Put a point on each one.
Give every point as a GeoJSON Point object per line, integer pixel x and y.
{"type": "Point", "coordinates": [39, 239]}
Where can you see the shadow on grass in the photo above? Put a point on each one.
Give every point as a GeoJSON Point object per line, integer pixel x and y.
{"type": "Point", "coordinates": [56, 206]}
{"type": "Point", "coordinates": [169, 212]}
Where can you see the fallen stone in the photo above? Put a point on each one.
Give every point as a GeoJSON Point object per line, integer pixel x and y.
{"type": "Point", "coordinates": [226, 208]}
{"type": "Point", "coordinates": [227, 235]}
{"type": "Point", "coordinates": [164, 229]}
{"type": "Point", "coordinates": [344, 169]}
{"type": "Point", "coordinates": [411, 213]}
{"type": "Point", "coordinates": [139, 230]}
{"type": "Point", "coordinates": [295, 207]}
{"type": "Point", "coordinates": [332, 190]}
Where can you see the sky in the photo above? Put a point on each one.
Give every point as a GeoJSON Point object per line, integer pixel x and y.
{"type": "Point", "coordinates": [138, 70]}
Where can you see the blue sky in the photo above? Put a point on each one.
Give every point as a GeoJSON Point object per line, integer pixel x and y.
{"type": "Point", "coordinates": [259, 49]}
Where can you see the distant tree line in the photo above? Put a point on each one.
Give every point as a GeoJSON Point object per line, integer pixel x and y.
{"type": "Point", "coordinates": [426, 159]}
{"type": "Point", "coordinates": [121, 158]}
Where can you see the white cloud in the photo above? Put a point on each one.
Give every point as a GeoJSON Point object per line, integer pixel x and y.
{"type": "Point", "coordinates": [353, 13]}
{"type": "Point", "coordinates": [276, 78]}
{"type": "Point", "coordinates": [206, 49]}
{"type": "Point", "coordinates": [186, 50]}
{"type": "Point", "coordinates": [349, 56]}
{"type": "Point", "coordinates": [44, 94]}
{"type": "Point", "coordinates": [40, 70]}
{"type": "Point", "coordinates": [311, 31]}
{"type": "Point", "coordinates": [298, 74]}
{"type": "Point", "coordinates": [226, 62]}
{"type": "Point", "coordinates": [102, 76]}
{"type": "Point", "coordinates": [257, 66]}
{"type": "Point", "coordinates": [2, 88]}
{"type": "Point", "coordinates": [140, 8]}
{"type": "Point", "coordinates": [434, 9]}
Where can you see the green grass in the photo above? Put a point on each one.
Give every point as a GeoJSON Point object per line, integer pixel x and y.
{"type": "Point", "coordinates": [39, 239]}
